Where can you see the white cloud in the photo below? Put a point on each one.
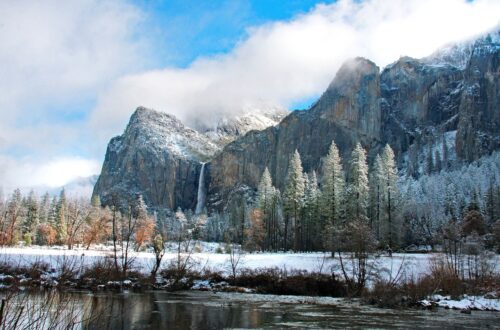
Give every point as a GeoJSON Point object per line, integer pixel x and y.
{"type": "Point", "coordinates": [58, 54]}
{"type": "Point", "coordinates": [284, 62]}
{"type": "Point", "coordinates": [31, 173]}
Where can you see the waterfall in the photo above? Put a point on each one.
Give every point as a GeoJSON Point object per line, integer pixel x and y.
{"type": "Point", "coordinates": [200, 200]}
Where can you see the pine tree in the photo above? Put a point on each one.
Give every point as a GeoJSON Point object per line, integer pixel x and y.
{"type": "Point", "coordinates": [293, 197]}
{"type": "Point", "coordinates": [312, 230]}
{"type": "Point", "coordinates": [358, 190]}
{"type": "Point", "coordinates": [391, 196]}
{"type": "Point", "coordinates": [276, 220]}
{"type": "Point", "coordinates": [492, 203]}
{"type": "Point", "coordinates": [265, 191]}
{"type": "Point", "coordinates": [61, 218]}
{"type": "Point", "coordinates": [44, 208]}
{"type": "Point", "coordinates": [31, 218]}
{"type": "Point", "coordinates": [333, 185]}
{"type": "Point", "coordinates": [265, 203]}
{"type": "Point", "coordinates": [52, 213]}
{"type": "Point", "coordinates": [376, 193]}
{"type": "Point", "coordinates": [450, 202]}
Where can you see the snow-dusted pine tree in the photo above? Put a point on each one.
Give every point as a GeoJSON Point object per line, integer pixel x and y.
{"type": "Point", "coordinates": [267, 204]}
{"type": "Point", "coordinates": [44, 208]}
{"type": "Point", "coordinates": [358, 190]}
{"type": "Point", "coordinates": [61, 218]}
{"type": "Point", "coordinates": [265, 191]}
{"type": "Point", "coordinates": [31, 218]}
{"type": "Point", "coordinates": [376, 194]}
{"type": "Point", "coordinates": [312, 229]}
{"type": "Point", "coordinates": [390, 226]}
{"type": "Point", "coordinates": [293, 196]}
{"type": "Point", "coordinates": [333, 184]}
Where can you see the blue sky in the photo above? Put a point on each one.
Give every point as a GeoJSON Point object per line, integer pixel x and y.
{"type": "Point", "coordinates": [185, 30]}
{"type": "Point", "coordinates": [74, 71]}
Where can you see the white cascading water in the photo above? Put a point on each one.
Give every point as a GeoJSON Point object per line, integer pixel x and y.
{"type": "Point", "coordinates": [200, 201]}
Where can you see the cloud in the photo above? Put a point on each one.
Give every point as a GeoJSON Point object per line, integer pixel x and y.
{"type": "Point", "coordinates": [58, 54]}
{"type": "Point", "coordinates": [55, 56]}
{"type": "Point", "coordinates": [27, 172]}
{"type": "Point", "coordinates": [282, 63]}
{"type": "Point", "coordinates": [61, 58]}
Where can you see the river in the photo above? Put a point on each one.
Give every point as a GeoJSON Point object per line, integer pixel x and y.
{"type": "Point", "coordinates": [206, 310]}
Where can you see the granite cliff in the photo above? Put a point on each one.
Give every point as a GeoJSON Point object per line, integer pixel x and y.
{"type": "Point", "coordinates": [161, 158]}
{"type": "Point", "coordinates": [449, 98]}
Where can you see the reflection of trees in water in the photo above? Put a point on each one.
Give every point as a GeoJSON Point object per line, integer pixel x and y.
{"type": "Point", "coordinates": [195, 310]}
{"type": "Point", "coordinates": [160, 310]}
{"type": "Point", "coordinates": [43, 309]}
{"type": "Point", "coordinates": [119, 311]}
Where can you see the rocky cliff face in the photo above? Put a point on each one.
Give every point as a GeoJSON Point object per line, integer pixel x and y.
{"type": "Point", "coordinates": [450, 96]}
{"type": "Point", "coordinates": [348, 112]}
{"type": "Point", "coordinates": [412, 104]}
{"type": "Point", "coordinates": [479, 112]}
{"type": "Point", "coordinates": [160, 158]}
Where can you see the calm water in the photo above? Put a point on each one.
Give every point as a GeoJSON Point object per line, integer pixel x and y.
{"type": "Point", "coordinates": [204, 310]}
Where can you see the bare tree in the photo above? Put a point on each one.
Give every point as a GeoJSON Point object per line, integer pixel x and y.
{"type": "Point", "coordinates": [235, 259]}
{"type": "Point", "coordinates": [355, 244]}
{"type": "Point", "coordinates": [78, 213]}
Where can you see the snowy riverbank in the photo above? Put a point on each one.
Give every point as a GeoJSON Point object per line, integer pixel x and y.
{"type": "Point", "coordinates": [414, 264]}
{"type": "Point", "coordinates": [207, 259]}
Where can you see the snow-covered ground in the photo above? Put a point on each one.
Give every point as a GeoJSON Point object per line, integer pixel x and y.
{"type": "Point", "coordinates": [414, 264]}
{"type": "Point", "coordinates": [207, 257]}
{"type": "Point", "coordinates": [467, 302]}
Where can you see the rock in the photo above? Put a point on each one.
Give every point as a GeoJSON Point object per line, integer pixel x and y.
{"type": "Point", "coordinates": [347, 112]}
{"type": "Point", "coordinates": [450, 97]}
{"type": "Point", "coordinates": [159, 157]}
{"type": "Point", "coordinates": [412, 104]}
{"type": "Point", "coordinates": [479, 112]}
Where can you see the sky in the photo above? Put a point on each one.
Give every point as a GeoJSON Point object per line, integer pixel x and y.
{"type": "Point", "coordinates": [74, 71]}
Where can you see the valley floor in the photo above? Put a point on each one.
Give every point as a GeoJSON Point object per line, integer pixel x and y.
{"type": "Point", "coordinates": [406, 265]}
{"type": "Point", "coordinates": [414, 264]}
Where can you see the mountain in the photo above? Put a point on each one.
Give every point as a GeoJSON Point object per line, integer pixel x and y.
{"type": "Point", "coordinates": [160, 158]}
{"type": "Point", "coordinates": [412, 104]}
{"type": "Point", "coordinates": [446, 103]}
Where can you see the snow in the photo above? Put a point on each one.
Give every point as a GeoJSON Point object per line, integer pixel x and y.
{"type": "Point", "coordinates": [466, 303]}
{"type": "Point", "coordinates": [415, 264]}
{"type": "Point", "coordinates": [459, 54]}
{"type": "Point", "coordinates": [160, 132]}
{"type": "Point", "coordinates": [283, 299]}
{"type": "Point", "coordinates": [386, 267]}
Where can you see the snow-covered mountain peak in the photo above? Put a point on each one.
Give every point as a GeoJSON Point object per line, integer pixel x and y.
{"type": "Point", "coordinates": [459, 54]}
{"type": "Point", "coordinates": [164, 132]}
{"type": "Point", "coordinates": [157, 130]}
{"type": "Point", "coordinates": [229, 128]}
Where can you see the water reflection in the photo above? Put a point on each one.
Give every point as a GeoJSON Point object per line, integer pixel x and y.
{"type": "Point", "coordinates": [160, 310]}
{"type": "Point", "coordinates": [205, 310]}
